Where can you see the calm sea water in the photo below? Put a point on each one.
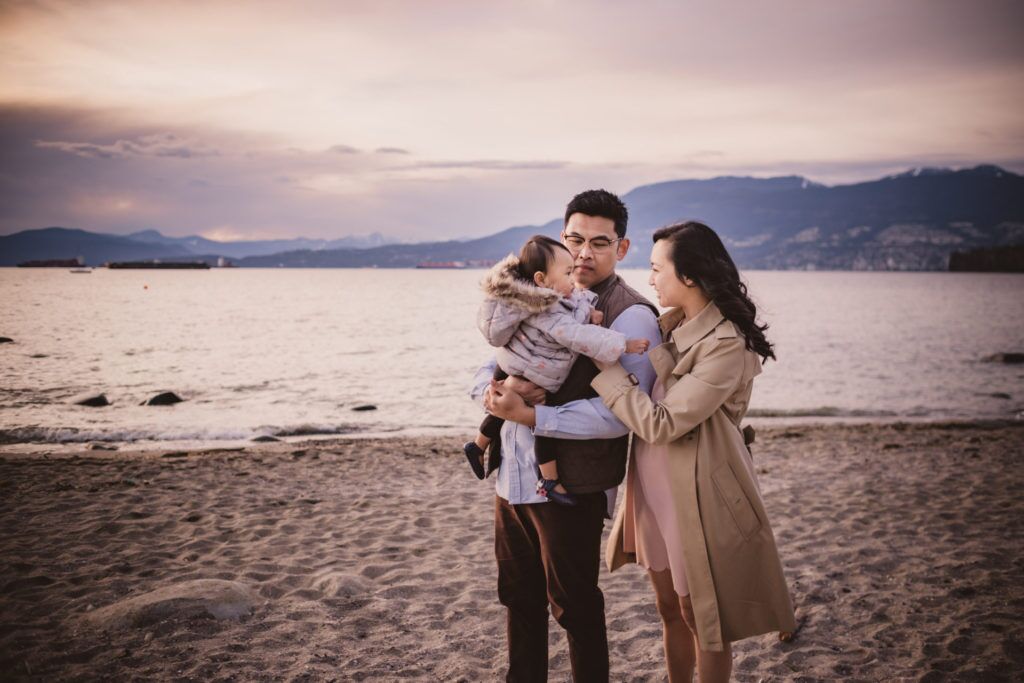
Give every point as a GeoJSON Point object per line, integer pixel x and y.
{"type": "Point", "coordinates": [258, 352]}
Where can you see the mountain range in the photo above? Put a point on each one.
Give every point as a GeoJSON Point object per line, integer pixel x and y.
{"type": "Point", "coordinates": [908, 221]}
{"type": "Point", "coordinates": [98, 248]}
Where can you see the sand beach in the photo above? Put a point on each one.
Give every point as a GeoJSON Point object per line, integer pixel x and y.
{"type": "Point", "coordinates": [357, 559]}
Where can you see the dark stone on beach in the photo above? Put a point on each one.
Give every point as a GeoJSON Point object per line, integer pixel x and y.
{"type": "Point", "coordinates": [265, 439]}
{"type": "Point", "coordinates": [1001, 395]}
{"type": "Point", "coordinates": [6, 340]}
{"type": "Point", "coordinates": [365, 406]}
{"type": "Point", "coordinates": [93, 401]}
{"type": "Point", "coordinates": [749, 434]}
{"type": "Point", "coordinates": [891, 446]}
{"type": "Point", "coordinates": [38, 355]}
{"type": "Point", "coordinates": [167, 398]}
{"type": "Point", "coordinates": [180, 602]}
{"type": "Point", "coordinates": [1013, 358]}
{"type": "Point", "coordinates": [101, 447]}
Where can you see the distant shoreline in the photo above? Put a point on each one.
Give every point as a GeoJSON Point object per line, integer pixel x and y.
{"type": "Point", "coordinates": [768, 424]}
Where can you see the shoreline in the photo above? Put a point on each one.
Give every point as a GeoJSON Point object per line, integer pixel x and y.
{"type": "Point", "coordinates": [369, 559]}
{"type": "Point", "coordinates": [769, 423]}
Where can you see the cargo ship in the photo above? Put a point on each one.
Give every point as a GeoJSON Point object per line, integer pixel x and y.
{"type": "Point", "coordinates": [151, 265]}
{"type": "Point", "coordinates": [52, 263]}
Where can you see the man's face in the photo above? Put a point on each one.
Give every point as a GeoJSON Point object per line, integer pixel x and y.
{"type": "Point", "coordinates": [596, 250]}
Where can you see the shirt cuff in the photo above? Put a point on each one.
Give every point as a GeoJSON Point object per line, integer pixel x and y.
{"type": "Point", "coordinates": [545, 420]}
{"type": "Point", "coordinates": [612, 383]}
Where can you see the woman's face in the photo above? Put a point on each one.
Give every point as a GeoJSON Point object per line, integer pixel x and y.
{"type": "Point", "coordinates": [670, 289]}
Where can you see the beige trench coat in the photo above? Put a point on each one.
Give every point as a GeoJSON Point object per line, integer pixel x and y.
{"type": "Point", "coordinates": [736, 583]}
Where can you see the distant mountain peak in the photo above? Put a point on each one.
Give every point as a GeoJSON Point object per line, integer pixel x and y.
{"type": "Point", "coordinates": [146, 233]}
{"type": "Point", "coordinates": [918, 171]}
{"type": "Point", "coordinates": [991, 170]}
{"type": "Point", "coordinates": [987, 170]}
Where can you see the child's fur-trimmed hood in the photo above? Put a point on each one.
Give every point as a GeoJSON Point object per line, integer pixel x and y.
{"type": "Point", "coordinates": [502, 282]}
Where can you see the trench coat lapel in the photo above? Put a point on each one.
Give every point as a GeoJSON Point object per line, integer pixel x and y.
{"type": "Point", "coordinates": [669, 360]}
{"type": "Point", "coordinates": [692, 331]}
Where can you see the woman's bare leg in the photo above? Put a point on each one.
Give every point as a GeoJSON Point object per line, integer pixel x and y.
{"type": "Point", "coordinates": [680, 652]}
{"type": "Point", "coordinates": [712, 667]}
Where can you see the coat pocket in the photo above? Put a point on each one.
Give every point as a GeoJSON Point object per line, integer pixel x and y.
{"type": "Point", "coordinates": [736, 500]}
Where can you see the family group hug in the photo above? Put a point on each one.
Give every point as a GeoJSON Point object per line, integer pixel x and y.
{"type": "Point", "coordinates": [586, 377]}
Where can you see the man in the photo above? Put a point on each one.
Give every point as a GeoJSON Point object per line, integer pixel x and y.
{"type": "Point", "coordinates": [550, 553]}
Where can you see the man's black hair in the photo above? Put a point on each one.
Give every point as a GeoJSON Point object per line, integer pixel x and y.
{"type": "Point", "coordinates": [600, 203]}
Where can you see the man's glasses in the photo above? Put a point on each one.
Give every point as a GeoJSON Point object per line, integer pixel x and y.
{"type": "Point", "coordinates": [598, 245]}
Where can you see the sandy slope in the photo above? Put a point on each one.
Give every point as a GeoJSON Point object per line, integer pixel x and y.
{"type": "Point", "coordinates": [372, 560]}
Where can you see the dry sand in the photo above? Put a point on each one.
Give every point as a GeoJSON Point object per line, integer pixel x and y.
{"type": "Point", "coordinates": [372, 560]}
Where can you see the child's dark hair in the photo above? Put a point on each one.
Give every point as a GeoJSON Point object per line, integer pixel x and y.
{"type": "Point", "coordinates": [536, 255]}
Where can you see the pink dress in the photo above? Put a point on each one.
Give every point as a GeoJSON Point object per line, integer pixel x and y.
{"type": "Point", "coordinates": [658, 538]}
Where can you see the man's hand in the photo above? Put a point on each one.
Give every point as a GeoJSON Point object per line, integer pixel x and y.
{"type": "Point", "coordinates": [500, 401]}
{"type": "Point", "coordinates": [531, 393]}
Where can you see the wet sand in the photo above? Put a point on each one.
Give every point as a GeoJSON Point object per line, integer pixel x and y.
{"type": "Point", "coordinates": [372, 560]}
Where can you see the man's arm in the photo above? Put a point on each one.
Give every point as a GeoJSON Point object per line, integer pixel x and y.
{"type": "Point", "coordinates": [591, 418]}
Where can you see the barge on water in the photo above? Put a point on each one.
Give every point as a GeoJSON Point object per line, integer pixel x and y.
{"type": "Point", "coordinates": [158, 265]}
{"type": "Point", "coordinates": [52, 263]}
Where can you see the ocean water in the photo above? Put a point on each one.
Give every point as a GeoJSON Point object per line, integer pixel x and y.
{"type": "Point", "coordinates": [285, 351]}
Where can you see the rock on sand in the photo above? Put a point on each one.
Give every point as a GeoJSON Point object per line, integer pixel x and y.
{"type": "Point", "coordinates": [91, 400]}
{"type": "Point", "coordinates": [1010, 357]}
{"type": "Point", "coordinates": [205, 598]}
{"type": "Point", "coordinates": [167, 398]}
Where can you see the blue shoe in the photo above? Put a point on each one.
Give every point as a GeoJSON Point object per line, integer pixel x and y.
{"type": "Point", "coordinates": [475, 456]}
{"type": "Point", "coordinates": [546, 488]}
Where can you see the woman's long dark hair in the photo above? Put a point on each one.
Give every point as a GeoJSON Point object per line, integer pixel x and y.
{"type": "Point", "coordinates": [698, 254]}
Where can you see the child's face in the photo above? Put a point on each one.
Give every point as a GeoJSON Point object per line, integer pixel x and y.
{"type": "Point", "coordinates": [559, 273]}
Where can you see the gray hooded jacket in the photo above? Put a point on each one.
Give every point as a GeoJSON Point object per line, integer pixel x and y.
{"type": "Point", "coordinates": [538, 332]}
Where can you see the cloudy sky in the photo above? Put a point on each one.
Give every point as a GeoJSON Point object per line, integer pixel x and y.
{"type": "Point", "coordinates": [424, 120]}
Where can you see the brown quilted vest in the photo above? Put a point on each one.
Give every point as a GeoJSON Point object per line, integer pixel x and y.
{"type": "Point", "coordinates": [586, 466]}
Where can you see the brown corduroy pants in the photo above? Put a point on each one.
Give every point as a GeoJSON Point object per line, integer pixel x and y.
{"type": "Point", "coordinates": [550, 554]}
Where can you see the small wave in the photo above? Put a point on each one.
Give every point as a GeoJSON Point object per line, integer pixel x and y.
{"type": "Point", "coordinates": [823, 411]}
{"type": "Point", "coordinates": [71, 435]}
{"type": "Point", "coordinates": [312, 430]}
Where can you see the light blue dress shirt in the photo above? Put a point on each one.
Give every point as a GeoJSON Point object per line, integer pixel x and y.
{"type": "Point", "coordinates": [583, 419]}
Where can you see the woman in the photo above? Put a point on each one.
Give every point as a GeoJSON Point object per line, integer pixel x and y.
{"type": "Point", "coordinates": [692, 512]}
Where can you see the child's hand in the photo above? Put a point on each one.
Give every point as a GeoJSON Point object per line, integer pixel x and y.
{"type": "Point", "coordinates": [637, 345]}
{"type": "Point", "coordinates": [596, 316]}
